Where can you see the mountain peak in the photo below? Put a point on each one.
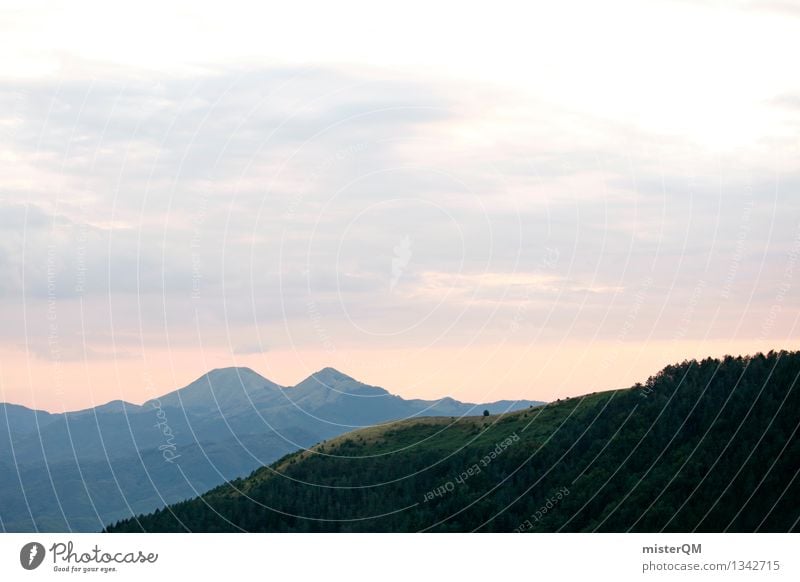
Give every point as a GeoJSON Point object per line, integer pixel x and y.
{"type": "Point", "coordinates": [333, 374]}
{"type": "Point", "coordinates": [221, 386]}
{"type": "Point", "coordinates": [330, 383]}
{"type": "Point", "coordinates": [239, 370]}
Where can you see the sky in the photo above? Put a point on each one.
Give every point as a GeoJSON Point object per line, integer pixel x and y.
{"type": "Point", "coordinates": [516, 201]}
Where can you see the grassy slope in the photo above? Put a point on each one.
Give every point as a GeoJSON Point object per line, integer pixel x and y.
{"type": "Point", "coordinates": [703, 445]}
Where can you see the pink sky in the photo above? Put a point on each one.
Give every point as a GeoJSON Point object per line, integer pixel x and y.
{"type": "Point", "coordinates": [510, 218]}
{"type": "Point", "coordinates": [543, 372]}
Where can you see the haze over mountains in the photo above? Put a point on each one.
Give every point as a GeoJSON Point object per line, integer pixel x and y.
{"type": "Point", "coordinates": [78, 471]}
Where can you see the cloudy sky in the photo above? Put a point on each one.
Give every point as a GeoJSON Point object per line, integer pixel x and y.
{"type": "Point", "coordinates": [454, 200]}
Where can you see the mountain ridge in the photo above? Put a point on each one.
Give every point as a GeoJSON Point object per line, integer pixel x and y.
{"type": "Point", "coordinates": [218, 427]}
{"type": "Point", "coordinates": [321, 379]}
{"type": "Point", "coordinates": [707, 446]}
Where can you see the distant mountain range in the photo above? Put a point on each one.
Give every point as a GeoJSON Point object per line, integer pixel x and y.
{"type": "Point", "coordinates": [78, 471]}
{"type": "Point", "coordinates": [708, 446]}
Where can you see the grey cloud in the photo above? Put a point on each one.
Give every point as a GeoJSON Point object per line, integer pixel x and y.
{"type": "Point", "coordinates": [202, 202]}
{"type": "Point", "coordinates": [248, 349]}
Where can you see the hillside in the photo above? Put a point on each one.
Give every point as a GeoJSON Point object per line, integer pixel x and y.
{"type": "Point", "coordinates": [701, 446]}
{"type": "Point", "coordinates": [77, 471]}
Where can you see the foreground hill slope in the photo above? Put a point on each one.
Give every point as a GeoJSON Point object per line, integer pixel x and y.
{"type": "Point", "coordinates": [701, 446]}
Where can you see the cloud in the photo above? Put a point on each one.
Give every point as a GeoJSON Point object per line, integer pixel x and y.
{"type": "Point", "coordinates": [249, 349]}
{"type": "Point", "coordinates": [195, 209]}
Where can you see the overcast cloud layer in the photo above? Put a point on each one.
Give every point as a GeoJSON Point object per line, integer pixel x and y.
{"type": "Point", "coordinates": [291, 215]}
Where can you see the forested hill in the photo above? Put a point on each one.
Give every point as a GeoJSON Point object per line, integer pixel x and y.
{"type": "Point", "coordinates": [701, 446]}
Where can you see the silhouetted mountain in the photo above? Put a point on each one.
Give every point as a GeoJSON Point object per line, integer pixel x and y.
{"type": "Point", "coordinates": [702, 446]}
{"type": "Point", "coordinates": [227, 390]}
{"type": "Point", "coordinates": [80, 470]}
{"type": "Point", "coordinates": [19, 419]}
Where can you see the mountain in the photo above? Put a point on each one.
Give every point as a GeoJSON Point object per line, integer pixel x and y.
{"type": "Point", "coordinates": [19, 419]}
{"type": "Point", "coordinates": [230, 390]}
{"type": "Point", "coordinates": [80, 470]}
{"type": "Point", "coordinates": [705, 446]}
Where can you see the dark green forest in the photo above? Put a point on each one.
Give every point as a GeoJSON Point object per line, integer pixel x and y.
{"type": "Point", "coordinates": [707, 446]}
